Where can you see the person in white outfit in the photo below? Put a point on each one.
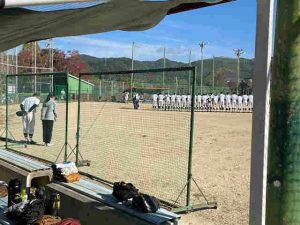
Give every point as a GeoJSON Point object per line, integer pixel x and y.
{"type": "Point", "coordinates": [222, 101]}
{"type": "Point", "coordinates": [154, 101]}
{"type": "Point", "coordinates": [178, 101]}
{"type": "Point", "coordinates": [240, 103]}
{"type": "Point", "coordinates": [161, 101]}
{"type": "Point", "coordinates": [216, 102]}
{"type": "Point", "coordinates": [234, 101]}
{"type": "Point", "coordinates": [173, 101]}
{"type": "Point", "coordinates": [199, 101]}
{"type": "Point", "coordinates": [29, 106]}
{"type": "Point", "coordinates": [228, 101]}
{"type": "Point", "coordinates": [245, 102]}
{"type": "Point", "coordinates": [251, 102]}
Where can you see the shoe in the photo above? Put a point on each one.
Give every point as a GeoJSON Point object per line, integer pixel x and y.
{"type": "Point", "coordinates": [49, 144]}
{"type": "Point", "coordinates": [32, 142]}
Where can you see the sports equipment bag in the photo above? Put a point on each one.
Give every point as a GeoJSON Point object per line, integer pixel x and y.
{"type": "Point", "coordinates": [124, 191]}
{"type": "Point", "coordinates": [146, 203]}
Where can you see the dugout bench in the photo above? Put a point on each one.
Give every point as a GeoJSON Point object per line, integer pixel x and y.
{"type": "Point", "coordinates": [24, 168]}
{"type": "Point", "coordinates": [99, 192]}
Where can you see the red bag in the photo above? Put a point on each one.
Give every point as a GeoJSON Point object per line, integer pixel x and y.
{"type": "Point", "coordinates": [69, 221]}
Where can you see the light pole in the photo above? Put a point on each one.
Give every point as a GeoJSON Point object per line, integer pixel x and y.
{"type": "Point", "coordinates": [132, 67]}
{"type": "Point", "coordinates": [190, 72]}
{"type": "Point", "coordinates": [213, 74]}
{"type": "Point", "coordinates": [238, 53]}
{"type": "Point", "coordinates": [202, 46]}
{"type": "Point", "coordinates": [164, 67]}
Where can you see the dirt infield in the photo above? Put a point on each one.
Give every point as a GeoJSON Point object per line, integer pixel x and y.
{"type": "Point", "coordinates": [221, 153]}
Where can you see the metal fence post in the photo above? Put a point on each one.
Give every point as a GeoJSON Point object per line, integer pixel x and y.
{"type": "Point", "coordinates": [6, 116]}
{"type": "Point", "coordinates": [67, 117]}
{"type": "Point", "coordinates": [78, 122]}
{"type": "Point", "coordinates": [190, 163]}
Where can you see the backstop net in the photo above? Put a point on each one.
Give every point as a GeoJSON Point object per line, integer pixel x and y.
{"type": "Point", "coordinates": [132, 130]}
{"type": "Point", "coordinates": [18, 129]}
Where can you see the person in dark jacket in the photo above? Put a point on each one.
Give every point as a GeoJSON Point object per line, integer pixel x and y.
{"type": "Point", "coordinates": [49, 115]}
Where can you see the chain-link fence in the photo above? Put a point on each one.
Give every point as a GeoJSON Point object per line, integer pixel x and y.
{"type": "Point", "coordinates": [127, 136]}
{"type": "Point", "coordinates": [30, 133]}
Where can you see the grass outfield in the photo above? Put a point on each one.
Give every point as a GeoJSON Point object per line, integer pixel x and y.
{"type": "Point", "coordinates": [115, 135]}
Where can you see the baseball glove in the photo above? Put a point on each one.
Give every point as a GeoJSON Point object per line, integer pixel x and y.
{"type": "Point", "coordinates": [21, 113]}
{"type": "Point", "coordinates": [48, 220]}
{"type": "Point", "coordinates": [3, 191]}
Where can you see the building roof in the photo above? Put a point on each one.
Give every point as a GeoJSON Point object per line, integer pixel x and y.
{"type": "Point", "coordinates": [20, 25]}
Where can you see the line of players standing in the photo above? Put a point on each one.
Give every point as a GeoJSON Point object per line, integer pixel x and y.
{"type": "Point", "coordinates": [206, 102]}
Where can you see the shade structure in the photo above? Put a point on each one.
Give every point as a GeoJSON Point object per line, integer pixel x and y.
{"type": "Point", "coordinates": [20, 25]}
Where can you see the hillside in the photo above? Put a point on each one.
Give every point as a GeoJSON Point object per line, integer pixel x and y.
{"type": "Point", "coordinates": [225, 68]}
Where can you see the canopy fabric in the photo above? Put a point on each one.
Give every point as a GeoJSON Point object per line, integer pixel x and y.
{"type": "Point", "coordinates": [19, 26]}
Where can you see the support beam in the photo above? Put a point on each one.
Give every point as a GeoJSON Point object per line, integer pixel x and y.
{"type": "Point", "coordinates": [22, 3]}
{"type": "Point", "coordinates": [260, 128]}
{"type": "Point", "coordinates": [283, 183]}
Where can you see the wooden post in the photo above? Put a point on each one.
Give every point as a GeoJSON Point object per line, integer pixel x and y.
{"type": "Point", "coordinates": [260, 128]}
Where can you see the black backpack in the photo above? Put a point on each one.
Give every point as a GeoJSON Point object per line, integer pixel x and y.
{"type": "Point", "coordinates": [124, 191]}
{"type": "Point", "coordinates": [146, 203]}
{"type": "Point", "coordinates": [32, 211]}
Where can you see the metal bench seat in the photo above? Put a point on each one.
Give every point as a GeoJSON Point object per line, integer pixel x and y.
{"type": "Point", "coordinates": [104, 195]}
{"type": "Point", "coordinates": [26, 167]}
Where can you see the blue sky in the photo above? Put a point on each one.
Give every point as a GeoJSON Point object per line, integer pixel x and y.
{"type": "Point", "coordinates": [225, 27]}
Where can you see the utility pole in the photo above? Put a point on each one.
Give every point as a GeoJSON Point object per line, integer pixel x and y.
{"type": "Point", "coordinates": [238, 53]}
{"type": "Point", "coordinates": [132, 67]}
{"type": "Point", "coordinates": [164, 67]}
{"type": "Point", "coordinates": [213, 73]}
{"type": "Point", "coordinates": [202, 46]}
{"type": "Point", "coordinates": [190, 72]}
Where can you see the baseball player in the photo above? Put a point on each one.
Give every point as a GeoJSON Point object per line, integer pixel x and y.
{"type": "Point", "coordinates": [228, 101]}
{"type": "Point", "coordinates": [173, 101]}
{"type": "Point", "coordinates": [199, 101]}
{"type": "Point", "coordinates": [167, 101]}
{"type": "Point", "coordinates": [209, 102]}
{"type": "Point", "coordinates": [204, 102]}
{"type": "Point", "coordinates": [178, 101]}
{"type": "Point", "coordinates": [240, 103]}
{"type": "Point", "coordinates": [222, 101]}
{"type": "Point", "coordinates": [245, 102]}
{"type": "Point", "coordinates": [251, 102]}
{"type": "Point", "coordinates": [183, 101]}
{"type": "Point", "coordinates": [29, 106]}
{"type": "Point", "coordinates": [126, 98]}
{"type": "Point", "coordinates": [189, 101]}
{"type": "Point", "coordinates": [234, 101]}
{"type": "Point", "coordinates": [154, 101]}
{"type": "Point", "coordinates": [161, 101]}
{"type": "Point", "coordinates": [216, 102]}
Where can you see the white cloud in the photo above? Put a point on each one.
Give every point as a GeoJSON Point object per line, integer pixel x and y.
{"type": "Point", "coordinates": [105, 48]}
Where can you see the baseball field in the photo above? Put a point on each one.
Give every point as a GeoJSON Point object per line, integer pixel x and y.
{"type": "Point", "coordinates": [151, 138]}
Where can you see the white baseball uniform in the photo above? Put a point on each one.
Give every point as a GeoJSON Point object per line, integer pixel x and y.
{"type": "Point", "coordinates": [251, 102]}
{"type": "Point", "coordinates": [222, 101]}
{"type": "Point", "coordinates": [161, 100]}
{"type": "Point", "coordinates": [29, 119]}
{"type": "Point", "coordinates": [154, 100]}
